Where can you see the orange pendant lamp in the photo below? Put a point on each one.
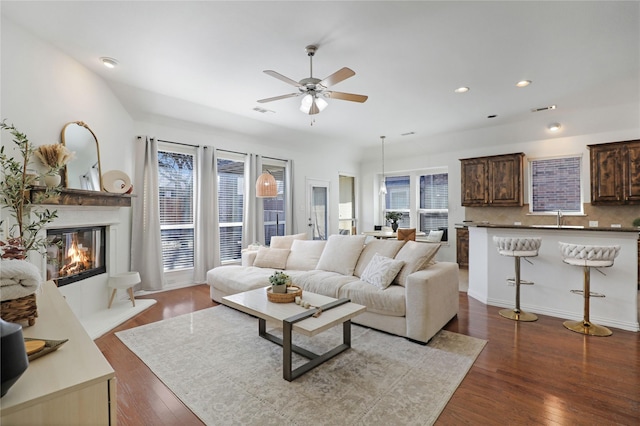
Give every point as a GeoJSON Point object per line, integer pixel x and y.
{"type": "Point", "coordinates": [266, 186]}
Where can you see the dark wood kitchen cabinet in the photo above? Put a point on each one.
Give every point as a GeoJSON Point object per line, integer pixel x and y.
{"type": "Point", "coordinates": [492, 181]}
{"type": "Point", "coordinates": [615, 173]}
{"type": "Point", "coordinates": [462, 247]}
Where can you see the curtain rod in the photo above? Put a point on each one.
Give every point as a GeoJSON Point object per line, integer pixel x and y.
{"type": "Point", "coordinates": [218, 149]}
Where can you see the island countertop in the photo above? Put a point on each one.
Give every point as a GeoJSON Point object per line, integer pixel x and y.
{"type": "Point", "coordinates": [563, 227]}
{"type": "Point", "coordinates": [551, 294]}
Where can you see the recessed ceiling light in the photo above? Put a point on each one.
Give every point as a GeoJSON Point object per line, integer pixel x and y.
{"type": "Point", "coordinates": [109, 62]}
{"type": "Point", "coordinates": [462, 90]}
{"type": "Point", "coordinates": [554, 127]}
{"type": "Point", "coordinates": [523, 83]}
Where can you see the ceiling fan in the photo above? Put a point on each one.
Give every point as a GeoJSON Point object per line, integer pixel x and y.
{"type": "Point", "coordinates": [314, 89]}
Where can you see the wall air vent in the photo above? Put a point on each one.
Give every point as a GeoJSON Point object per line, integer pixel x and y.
{"type": "Point", "coordinates": [543, 108]}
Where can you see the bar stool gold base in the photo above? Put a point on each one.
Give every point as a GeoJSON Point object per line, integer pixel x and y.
{"type": "Point", "coordinates": [518, 316]}
{"type": "Point", "coordinates": [588, 328]}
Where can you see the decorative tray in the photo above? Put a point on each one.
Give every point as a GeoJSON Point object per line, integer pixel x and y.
{"type": "Point", "coordinates": [288, 297]}
{"type": "Point", "coordinates": [49, 346]}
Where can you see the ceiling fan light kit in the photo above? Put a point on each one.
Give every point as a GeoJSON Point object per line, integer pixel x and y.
{"type": "Point", "coordinates": [315, 90]}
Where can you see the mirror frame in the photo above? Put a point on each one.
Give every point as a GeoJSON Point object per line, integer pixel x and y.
{"type": "Point", "coordinates": [65, 177]}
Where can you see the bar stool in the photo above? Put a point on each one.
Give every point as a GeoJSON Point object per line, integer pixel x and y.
{"type": "Point", "coordinates": [126, 281]}
{"type": "Point", "coordinates": [588, 257]}
{"type": "Point", "coordinates": [518, 248]}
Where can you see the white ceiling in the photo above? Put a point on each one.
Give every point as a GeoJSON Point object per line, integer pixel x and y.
{"type": "Point", "coordinates": [203, 61]}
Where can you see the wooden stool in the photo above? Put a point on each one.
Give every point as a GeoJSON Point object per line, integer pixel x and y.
{"type": "Point", "coordinates": [125, 280]}
{"type": "Point", "coordinates": [588, 257]}
{"type": "Point", "coordinates": [518, 248]}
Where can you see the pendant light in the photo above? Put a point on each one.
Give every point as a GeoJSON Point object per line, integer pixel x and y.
{"type": "Point", "coordinates": [266, 186]}
{"type": "Point", "coordinates": [383, 184]}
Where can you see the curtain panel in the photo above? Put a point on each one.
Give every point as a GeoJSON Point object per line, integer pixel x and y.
{"type": "Point", "coordinates": [146, 242]}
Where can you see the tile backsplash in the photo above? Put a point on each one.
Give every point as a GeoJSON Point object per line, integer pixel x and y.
{"type": "Point", "coordinates": [605, 215]}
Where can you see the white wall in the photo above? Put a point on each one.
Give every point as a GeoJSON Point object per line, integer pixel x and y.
{"type": "Point", "coordinates": [608, 124]}
{"type": "Point", "coordinates": [42, 90]}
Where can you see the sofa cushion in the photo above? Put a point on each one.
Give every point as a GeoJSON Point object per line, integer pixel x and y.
{"type": "Point", "coordinates": [341, 253]}
{"type": "Point", "coordinates": [381, 271]}
{"type": "Point", "coordinates": [416, 256]}
{"type": "Point", "coordinates": [271, 258]}
{"type": "Point", "coordinates": [305, 254]}
{"type": "Point", "coordinates": [390, 301]}
{"type": "Point", "coordinates": [322, 282]}
{"type": "Point", "coordinates": [387, 248]}
{"type": "Point", "coordinates": [285, 241]}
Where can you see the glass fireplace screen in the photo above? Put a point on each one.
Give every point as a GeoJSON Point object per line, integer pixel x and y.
{"type": "Point", "coordinates": [74, 254]}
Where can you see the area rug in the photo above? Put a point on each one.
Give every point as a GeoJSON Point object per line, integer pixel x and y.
{"type": "Point", "coordinates": [215, 362]}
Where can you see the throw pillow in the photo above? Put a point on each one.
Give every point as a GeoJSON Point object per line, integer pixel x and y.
{"type": "Point", "coordinates": [416, 256]}
{"type": "Point", "coordinates": [271, 258]}
{"type": "Point", "coordinates": [285, 241]}
{"type": "Point", "coordinates": [341, 253]}
{"type": "Point", "coordinates": [434, 236]}
{"type": "Point", "coordinates": [381, 271]}
{"type": "Point", "coordinates": [387, 248]}
{"type": "Point", "coordinates": [305, 254]}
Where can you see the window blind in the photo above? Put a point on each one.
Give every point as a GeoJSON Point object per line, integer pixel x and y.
{"type": "Point", "coordinates": [176, 199]}
{"type": "Point", "coordinates": [231, 207]}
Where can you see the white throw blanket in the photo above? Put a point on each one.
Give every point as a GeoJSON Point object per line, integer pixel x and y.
{"type": "Point", "coordinates": [18, 278]}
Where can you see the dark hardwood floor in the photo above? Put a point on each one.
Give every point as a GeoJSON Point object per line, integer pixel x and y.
{"type": "Point", "coordinates": [528, 373]}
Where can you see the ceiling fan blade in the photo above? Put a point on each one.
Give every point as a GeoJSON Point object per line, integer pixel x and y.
{"type": "Point", "coordinates": [346, 96]}
{"type": "Point", "coordinates": [276, 98]}
{"type": "Point", "coordinates": [337, 77]}
{"type": "Point", "coordinates": [282, 77]}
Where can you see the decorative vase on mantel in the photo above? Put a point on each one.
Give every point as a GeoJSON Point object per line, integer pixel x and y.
{"type": "Point", "coordinates": [52, 181]}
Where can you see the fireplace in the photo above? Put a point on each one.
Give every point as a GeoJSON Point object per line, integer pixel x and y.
{"type": "Point", "coordinates": [74, 254]}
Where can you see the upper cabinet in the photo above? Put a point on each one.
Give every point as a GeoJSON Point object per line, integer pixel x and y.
{"type": "Point", "coordinates": [493, 181]}
{"type": "Point", "coordinates": [615, 173]}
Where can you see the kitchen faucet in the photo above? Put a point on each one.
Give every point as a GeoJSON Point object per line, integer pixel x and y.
{"type": "Point", "coordinates": [559, 219]}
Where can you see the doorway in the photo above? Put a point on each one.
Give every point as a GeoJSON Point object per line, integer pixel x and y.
{"type": "Point", "coordinates": [318, 209]}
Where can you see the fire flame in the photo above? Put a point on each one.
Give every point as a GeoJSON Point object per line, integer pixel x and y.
{"type": "Point", "coordinates": [77, 260]}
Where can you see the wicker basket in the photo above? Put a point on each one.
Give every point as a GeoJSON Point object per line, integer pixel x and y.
{"type": "Point", "coordinates": [20, 309]}
{"type": "Point", "coordinates": [288, 297]}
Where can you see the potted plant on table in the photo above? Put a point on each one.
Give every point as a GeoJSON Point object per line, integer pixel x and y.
{"type": "Point", "coordinates": [279, 282]}
{"type": "Point", "coordinates": [394, 217]}
{"type": "Point", "coordinates": [15, 196]}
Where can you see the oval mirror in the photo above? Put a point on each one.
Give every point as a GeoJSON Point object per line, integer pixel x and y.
{"type": "Point", "coordinates": [84, 171]}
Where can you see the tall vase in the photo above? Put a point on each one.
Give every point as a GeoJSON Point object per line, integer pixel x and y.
{"type": "Point", "coordinates": [394, 226]}
{"type": "Point", "coordinates": [13, 354]}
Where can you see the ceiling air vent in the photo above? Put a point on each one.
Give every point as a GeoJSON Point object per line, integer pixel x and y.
{"type": "Point", "coordinates": [543, 108]}
{"type": "Point", "coordinates": [262, 110]}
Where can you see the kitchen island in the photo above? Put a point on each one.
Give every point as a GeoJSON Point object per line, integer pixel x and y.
{"type": "Point", "coordinates": [550, 295]}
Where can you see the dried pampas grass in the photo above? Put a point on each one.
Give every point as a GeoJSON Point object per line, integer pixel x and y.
{"type": "Point", "coordinates": [54, 156]}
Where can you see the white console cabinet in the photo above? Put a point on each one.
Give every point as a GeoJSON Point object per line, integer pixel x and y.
{"type": "Point", "coordinates": [74, 385]}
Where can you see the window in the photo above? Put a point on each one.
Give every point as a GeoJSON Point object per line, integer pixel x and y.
{"type": "Point", "coordinates": [433, 211]}
{"type": "Point", "coordinates": [555, 185]}
{"type": "Point", "coordinates": [398, 198]}
{"type": "Point", "coordinates": [176, 198]}
{"type": "Point", "coordinates": [422, 198]}
{"type": "Point", "coordinates": [230, 207]}
{"type": "Point", "coordinates": [274, 208]}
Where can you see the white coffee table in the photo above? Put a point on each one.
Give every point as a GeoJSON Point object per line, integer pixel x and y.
{"type": "Point", "coordinates": [293, 317]}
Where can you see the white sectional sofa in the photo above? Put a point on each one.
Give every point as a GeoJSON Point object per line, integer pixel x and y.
{"type": "Point", "coordinates": [421, 298]}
